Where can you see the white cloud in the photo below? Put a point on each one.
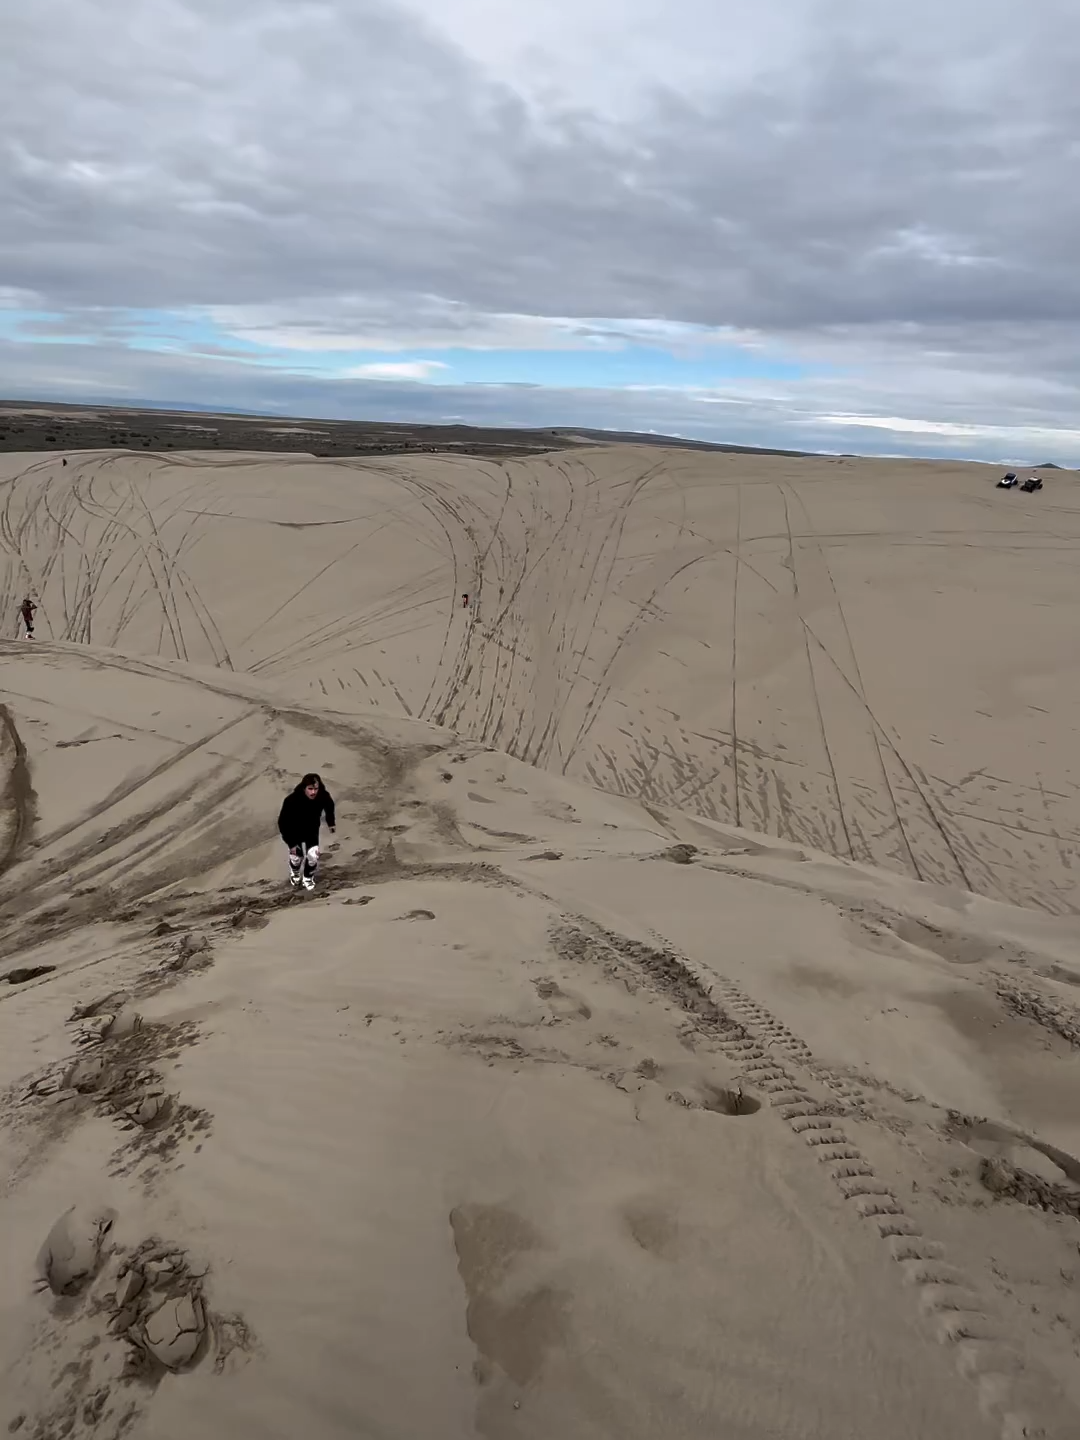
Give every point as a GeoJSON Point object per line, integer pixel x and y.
{"type": "Point", "coordinates": [1006, 434]}
{"type": "Point", "coordinates": [429, 322]}
{"type": "Point", "coordinates": [396, 370]}
{"type": "Point", "coordinates": [14, 298]}
{"type": "Point", "coordinates": [607, 55]}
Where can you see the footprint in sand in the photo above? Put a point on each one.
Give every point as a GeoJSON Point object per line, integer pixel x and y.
{"type": "Point", "coordinates": [106, 1004]}
{"type": "Point", "coordinates": [85, 1075]}
{"type": "Point", "coordinates": [147, 1110]}
{"type": "Point", "coordinates": [95, 1029]}
{"type": "Point", "coordinates": [504, 784]}
{"type": "Point", "coordinates": [696, 1092]}
{"type": "Point", "coordinates": [97, 1024]}
{"type": "Point", "coordinates": [192, 953]}
{"type": "Point", "coordinates": [562, 1005]}
{"type": "Point", "coordinates": [679, 854]}
{"type": "Point", "coordinates": [558, 810]}
{"type": "Point", "coordinates": [71, 1254]}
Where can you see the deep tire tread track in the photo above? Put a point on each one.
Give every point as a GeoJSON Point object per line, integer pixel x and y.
{"type": "Point", "coordinates": [768, 1056]}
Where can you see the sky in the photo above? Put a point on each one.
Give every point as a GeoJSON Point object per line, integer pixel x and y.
{"type": "Point", "coordinates": [842, 225]}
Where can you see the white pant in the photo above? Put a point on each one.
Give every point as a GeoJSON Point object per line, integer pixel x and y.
{"type": "Point", "coordinates": [303, 858]}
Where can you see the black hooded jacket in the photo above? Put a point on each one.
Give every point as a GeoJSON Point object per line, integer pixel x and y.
{"type": "Point", "coordinates": [299, 819]}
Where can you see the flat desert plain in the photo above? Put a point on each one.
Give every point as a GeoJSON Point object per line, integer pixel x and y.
{"type": "Point", "coordinates": [683, 1037]}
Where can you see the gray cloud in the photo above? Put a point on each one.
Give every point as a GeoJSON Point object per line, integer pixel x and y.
{"type": "Point", "coordinates": [899, 189]}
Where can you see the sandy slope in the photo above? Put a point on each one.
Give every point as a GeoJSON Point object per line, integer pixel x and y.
{"type": "Point", "coordinates": [553, 1112]}
{"type": "Point", "coordinates": [479, 1143]}
{"type": "Point", "coordinates": [871, 657]}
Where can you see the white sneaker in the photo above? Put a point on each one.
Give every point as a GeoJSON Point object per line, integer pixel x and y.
{"type": "Point", "coordinates": [309, 883]}
{"type": "Point", "coordinates": [294, 881]}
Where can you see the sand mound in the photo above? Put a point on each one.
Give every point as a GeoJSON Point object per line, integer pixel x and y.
{"type": "Point", "coordinates": [551, 1111]}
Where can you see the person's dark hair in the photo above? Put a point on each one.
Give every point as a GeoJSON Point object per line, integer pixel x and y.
{"type": "Point", "coordinates": [310, 779]}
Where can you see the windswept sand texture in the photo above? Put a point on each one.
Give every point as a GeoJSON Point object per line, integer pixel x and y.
{"type": "Point", "coordinates": [673, 1078]}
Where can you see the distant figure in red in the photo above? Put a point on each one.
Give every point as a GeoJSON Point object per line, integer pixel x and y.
{"type": "Point", "coordinates": [465, 602]}
{"type": "Point", "coordinates": [26, 610]}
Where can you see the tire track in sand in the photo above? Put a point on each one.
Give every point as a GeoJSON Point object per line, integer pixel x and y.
{"type": "Point", "coordinates": [735, 657]}
{"type": "Point", "coordinates": [815, 693]}
{"type": "Point", "coordinates": [854, 682]}
{"type": "Point", "coordinates": [780, 1066]}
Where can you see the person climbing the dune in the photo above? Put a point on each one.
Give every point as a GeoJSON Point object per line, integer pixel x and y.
{"type": "Point", "coordinates": [26, 610]}
{"type": "Point", "coordinates": [301, 814]}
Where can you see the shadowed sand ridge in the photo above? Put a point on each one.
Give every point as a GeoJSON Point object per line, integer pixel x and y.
{"type": "Point", "coordinates": [626, 1109]}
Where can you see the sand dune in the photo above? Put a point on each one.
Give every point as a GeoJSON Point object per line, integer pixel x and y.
{"type": "Point", "coordinates": [664, 1076]}
{"type": "Point", "coordinates": [873, 658]}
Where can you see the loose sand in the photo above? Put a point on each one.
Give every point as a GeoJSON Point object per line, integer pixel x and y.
{"type": "Point", "coordinates": [683, 1039]}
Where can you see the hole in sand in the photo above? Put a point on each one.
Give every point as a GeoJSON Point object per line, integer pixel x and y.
{"type": "Point", "coordinates": [730, 1102]}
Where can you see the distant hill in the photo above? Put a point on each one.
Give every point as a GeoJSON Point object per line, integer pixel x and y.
{"type": "Point", "coordinates": [648, 437]}
{"type": "Point", "coordinates": [28, 425]}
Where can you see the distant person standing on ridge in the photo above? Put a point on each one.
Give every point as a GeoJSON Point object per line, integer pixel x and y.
{"type": "Point", "coordinates": [26, 610]}
{"type": "Point", "coordinates": [298, 823]}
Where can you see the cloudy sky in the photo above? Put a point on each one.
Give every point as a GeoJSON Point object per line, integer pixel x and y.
{"type": "Point", "coordinates": [826, 224]}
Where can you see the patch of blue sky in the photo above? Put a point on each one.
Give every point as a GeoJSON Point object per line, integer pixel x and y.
{"type": "Point", "coordinates": [611, 364]}
{"type": "Point", "coordinates": [162, 331]}
{"type": "Point", "coordinates": [604, 369]}
{"type": "Point", "coordinates": [41, 327]}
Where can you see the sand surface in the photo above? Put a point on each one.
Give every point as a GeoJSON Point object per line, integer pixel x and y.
{"type": "Point", "coordinates": [874, 658]}
{"type": "Point", "coordinates": [631, 1072]}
